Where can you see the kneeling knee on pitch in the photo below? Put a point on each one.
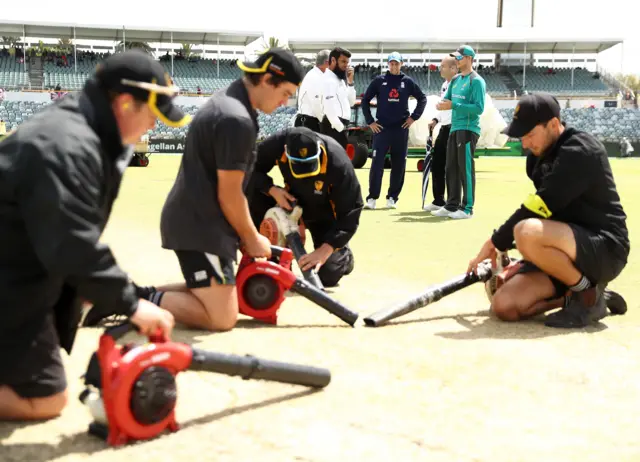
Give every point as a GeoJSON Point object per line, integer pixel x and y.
{"type": "Point", "coordinates": [220, 303]}
{"type": "Point", "coordinates": [522, 296]}
{"type": "Point", "coordinates": [505, 306]}
{"type": "Point", "coordinates": [330, 276]}
{"type": "Point", "coordinates": [15, 407]}
{"type": "Point", "coordinates": [339, 264]}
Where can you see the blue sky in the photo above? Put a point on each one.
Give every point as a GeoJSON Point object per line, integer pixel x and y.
{"type": "Point", "coordinates": [359, 18]}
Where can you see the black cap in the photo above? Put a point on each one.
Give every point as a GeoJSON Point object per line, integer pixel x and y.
{"type": "Point", "coordinates": [276, 61]}
{"type": "Point", "coordinates": [140, 75]}
{"type": "Point", "coordinates": [532, 110]}
{"type": "Point", "coordinates": [303, 147]}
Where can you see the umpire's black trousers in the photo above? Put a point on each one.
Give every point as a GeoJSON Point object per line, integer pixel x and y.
{"type": "Point", "coordinates": [438, 179]}
{"type": "Point", "coordinates": [303, 120]}
{"type": "Point", "coordinates": [339, 264]}
{"type": "Point", "coordinates": [327, 129]}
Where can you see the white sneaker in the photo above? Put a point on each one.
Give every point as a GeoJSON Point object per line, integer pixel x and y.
{"type": "Point", "coordinates": [431, 207]}
{"type": "Point", "coordinates": [371, 204]}
{"type": "Point", "coordinates": [391, 204]}
{"type": "Point", "coordinates": [441, 212]}
{"type": "Point", "coordinates": [459, 215]}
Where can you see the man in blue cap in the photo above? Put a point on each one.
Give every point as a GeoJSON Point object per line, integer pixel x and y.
{"type": "Point", "coordinates": [391, 126]}
{"type": "Point", "coordinates": [465, 97]}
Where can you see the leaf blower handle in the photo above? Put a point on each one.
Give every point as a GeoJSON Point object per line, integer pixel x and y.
{"type": "Point", "coordinates": [119, 331]}
{"type": "Point", "coordinates": [320, 298]}
{"type": "Point", "coordinates": [250, 367]}
{"type": "Point", "coordinates": [295, 244]}
{"type": "Point", "coordinates": [276, 252]}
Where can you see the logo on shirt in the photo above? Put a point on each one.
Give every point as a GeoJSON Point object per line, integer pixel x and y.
{"type": "Point", "coordinates": [394, 96]}
{"type": "Point", "coordinates": [318, 185]}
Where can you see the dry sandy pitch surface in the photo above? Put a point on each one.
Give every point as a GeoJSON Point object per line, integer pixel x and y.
{"type": "Point", "coordinates": [446, 383]}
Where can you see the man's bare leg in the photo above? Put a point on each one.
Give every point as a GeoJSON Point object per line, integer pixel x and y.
{"type": "Point", "coordinates": [551, 246]}
{"type": "Point", "coordinates": [14, 407]}
{"type": "Point", "coordinates": [213, 308]}
{"type": "Point", "coordinates": [177, 287]}
{"type": "Point", "coordinates": [524, 296]}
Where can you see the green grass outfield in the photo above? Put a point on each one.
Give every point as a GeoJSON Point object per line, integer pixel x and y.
{"type": "Point", "coordinates": [445, 383]}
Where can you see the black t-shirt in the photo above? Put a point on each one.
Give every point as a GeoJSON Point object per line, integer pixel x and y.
{"type": "Point", "coordinates": [574, 184]}
{"type": "Point", "coordinates": [222, 136]}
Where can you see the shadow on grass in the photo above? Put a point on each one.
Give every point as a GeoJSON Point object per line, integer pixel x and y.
{"type": "Point", "coordinates": [419, 216]}
{"type": "Point", "coordinates": [492, 328]}
{"type": "Point", "coordinates": [256, 324]}
{"type": "Point", "coordinates": [80, 443]}
{"type": "Point", "coordinates": [84, 443]}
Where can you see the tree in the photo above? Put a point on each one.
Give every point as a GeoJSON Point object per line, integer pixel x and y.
{"type": "Point", "coordinates": [10, 40]}
{"type": "Point", "coordinates": [65, 43]}
{"type": "Point", "coordinates": [144, 46]}
{"type": "Point", "coordinates": [631, 80]}
{"type": "Point", "coordinates": [187, 49]}
{"type": "Point", "coordinates": [272, 42]}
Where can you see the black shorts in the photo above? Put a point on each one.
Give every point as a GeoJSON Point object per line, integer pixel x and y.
{"type": "Point", "coordinates": [39, 373]}
{"type": "Point", "coordinates": [199, 267]}
{"type": "Point", "coordinates": [595, 259]}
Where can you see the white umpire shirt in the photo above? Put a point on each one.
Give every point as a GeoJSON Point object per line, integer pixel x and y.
{"type": "Point", "coordinates": [338, 98]}
{"type": "Point", "coordinates": [444, 117]}
{"type": "Point", "coordinates": [310, 94]}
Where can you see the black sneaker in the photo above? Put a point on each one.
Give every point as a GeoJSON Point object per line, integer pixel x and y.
{"type": "Point", "coordinates": [580, 309]}
{"type": "Point", "coordinates": [615, 302]}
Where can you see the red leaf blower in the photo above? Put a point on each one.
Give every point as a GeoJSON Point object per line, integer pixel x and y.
{"type": "Point", "coordinates": [131, 389]}
{"type": "Point", "coordinates": [286, 229]}
{"type": "Point", "coordinates": [262, 285]}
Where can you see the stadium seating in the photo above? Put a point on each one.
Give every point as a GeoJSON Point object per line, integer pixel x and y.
{"type": "Point", "coordinates": [12, 73]}
{"type": "Point", "coordinates": [608, 124]}
{"type": "Point", "coordinates": [203, 73]}
{"type": "Point", "coordinates": [429, 82]}
{"type": "Point", "coordinates": [559, 81]}
{"type": "Point", "coordinates": [209, 75]}
{"type": "Point", "coordinates": [67, 77]}
{"type": "Point", "coordinates": [15, 112]}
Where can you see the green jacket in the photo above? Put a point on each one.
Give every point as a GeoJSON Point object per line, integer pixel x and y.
{"type": "Point", "coordinates": [467, 94]}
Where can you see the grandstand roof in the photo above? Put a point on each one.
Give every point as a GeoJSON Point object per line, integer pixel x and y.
{"type": "Point", "coordinates": [496, 41]}
{"type": "Point", "coordinates": [131, 34]}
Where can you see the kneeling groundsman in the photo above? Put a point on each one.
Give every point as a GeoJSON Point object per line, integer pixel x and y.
{"type": "Point", "coordinates": [205, 218]}
{"type": "Point", "coordinates": [571, 233]}
{"type": "Point", "coordinates": [59, 176]}
{"type": "Point", "coordinates": [319, 176]}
